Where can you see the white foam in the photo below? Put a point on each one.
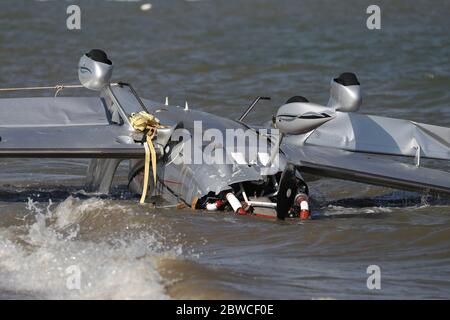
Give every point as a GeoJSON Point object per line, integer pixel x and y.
{"type": "Point", "coordinates": [339, 210]}
{"type": "Point", "coordinates": [146, 6]}
{"type": "Point", "coordinates": [35, 261]}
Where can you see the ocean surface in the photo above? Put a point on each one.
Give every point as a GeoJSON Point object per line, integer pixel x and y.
{"type": "Point", "coordinates": [218, 55]}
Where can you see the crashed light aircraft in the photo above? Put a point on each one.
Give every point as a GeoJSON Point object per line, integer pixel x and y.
{"type": "Point", "coordinates": [335, 141]}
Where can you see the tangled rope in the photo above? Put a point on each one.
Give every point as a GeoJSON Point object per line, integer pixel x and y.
{"type": "Point", "coordinates": [148, 124]}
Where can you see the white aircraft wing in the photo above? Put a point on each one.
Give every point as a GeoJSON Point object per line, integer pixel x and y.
{"type": "Point", "coordinates": [369, 169]}
{"type": "Point", "coordinates": [89, 141]}
{"type": "Point", "coordinates": [373, 134]}
{"type": "Point", "coordinates": [62, 127]}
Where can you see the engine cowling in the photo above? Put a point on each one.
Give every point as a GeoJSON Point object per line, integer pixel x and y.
{"type": "Point", "coordinates": [345, 93]}
{"type": "Point", "coordinates": [95, 70]}
{"type": "Point", "coordinates": [299, 116]}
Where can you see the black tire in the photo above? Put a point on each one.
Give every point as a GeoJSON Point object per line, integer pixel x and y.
{"type": "Point", "coordinates": [287, 191]}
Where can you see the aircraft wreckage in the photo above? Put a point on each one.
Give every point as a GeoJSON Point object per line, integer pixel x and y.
{"type": "Point", "coordinates": [233, 166]}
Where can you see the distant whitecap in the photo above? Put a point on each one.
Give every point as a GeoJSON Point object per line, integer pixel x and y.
{"type": "Point", "coordinates": [146, 7]}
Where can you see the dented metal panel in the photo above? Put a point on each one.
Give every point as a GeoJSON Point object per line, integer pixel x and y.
{"type": "Point", "coordinates": [373, 134]}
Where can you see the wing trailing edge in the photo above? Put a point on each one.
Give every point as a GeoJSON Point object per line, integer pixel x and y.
{"type": "Point", "coordinates": [368, 169]}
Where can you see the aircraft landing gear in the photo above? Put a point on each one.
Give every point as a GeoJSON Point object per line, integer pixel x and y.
{"type": "Point", "coordinates": [292, 201]}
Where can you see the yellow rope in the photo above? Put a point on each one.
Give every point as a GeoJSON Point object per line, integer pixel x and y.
{"type": "Point", "coordinates": [145, 122]}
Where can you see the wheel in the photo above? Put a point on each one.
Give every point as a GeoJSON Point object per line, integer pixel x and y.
{"type": "Point", "coordinates": [287, 191]}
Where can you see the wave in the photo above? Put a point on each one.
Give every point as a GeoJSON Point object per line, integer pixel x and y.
{"type": "Point", "coordinates": [39, 257]}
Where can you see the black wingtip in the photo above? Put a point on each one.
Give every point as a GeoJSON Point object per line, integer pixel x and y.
{"type": "Point", "coordinates": [347, 79]}
{"type": "Point", "coordinates": [297, 99]}
{"type": "Point", "coordinates": [99, 56]}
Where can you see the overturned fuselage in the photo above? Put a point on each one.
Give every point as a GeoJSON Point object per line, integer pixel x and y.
{"type": "Point", "coordinates": [209, 162]}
